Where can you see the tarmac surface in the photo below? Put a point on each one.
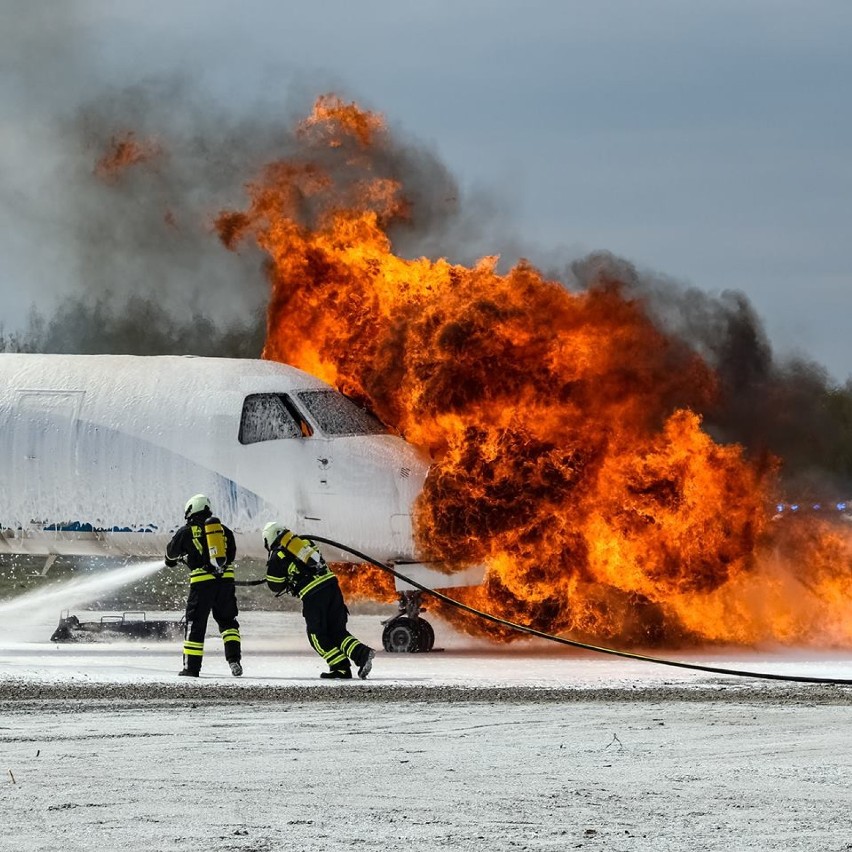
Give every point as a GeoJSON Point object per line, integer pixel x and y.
{"type": "Point", "coordinates": [471, 747]}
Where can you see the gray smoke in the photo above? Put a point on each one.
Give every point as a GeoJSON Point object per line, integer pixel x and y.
{"type": "Point", "coordinates": [129, 262]}
{"type": "Point", "coordinates": [127, 265]}
{"type": "Point", "coordinates": [139, 267]}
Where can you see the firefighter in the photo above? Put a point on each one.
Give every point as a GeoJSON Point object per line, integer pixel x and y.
{"type": "Point", "coordinates": [208, 548]}
{"type": "Point", "coordinates": [296, 566]}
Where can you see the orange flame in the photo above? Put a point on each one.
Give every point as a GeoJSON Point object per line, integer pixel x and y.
{"type": "Point", "coordinates": [365, 582]}
{"type": "Point", "coordinates": [123, 153]}
{"type": "Point", "coordinates": [567, 454]}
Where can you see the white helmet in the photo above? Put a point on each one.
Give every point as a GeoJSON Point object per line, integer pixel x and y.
{"type": "Point", "coordinates": [196, 504]}
{"type": "Point", "coordinates": [271, 532]}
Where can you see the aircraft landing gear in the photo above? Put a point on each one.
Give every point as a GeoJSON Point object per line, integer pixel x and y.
{"type": "Point", "coordinates": [406, 632]}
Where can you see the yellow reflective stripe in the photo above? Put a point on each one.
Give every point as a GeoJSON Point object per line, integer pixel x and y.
{"type": "Point", "coordinates": [332, 656]}
{"type": "Point", "coordinates": [196, 534]}
{"type": "Point", "coordinates": [271, 578]}
{"type": "Point", "coordinates": [317, 647]}
{"type": "Point", "coordinates": [231, 635]}
{"type": "Point", "coordinates": [326, 655]}
{"type": "Point", "coordinates": [348, 645]}
{"type": "Point", "coordinates": [317, 581]}
{"type": "Point", "coordinates": [204, 574]}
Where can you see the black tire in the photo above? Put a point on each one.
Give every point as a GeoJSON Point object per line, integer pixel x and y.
{"type": "Point", "coordinates": [401, 636]}
{"type": "Point", "coordinates": [427, 636]}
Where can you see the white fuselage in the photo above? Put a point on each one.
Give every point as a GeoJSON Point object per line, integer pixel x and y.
{"type": "Point", "coordinates": [101, 452]}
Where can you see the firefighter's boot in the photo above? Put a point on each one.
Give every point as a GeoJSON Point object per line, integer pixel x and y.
{"type": "Point", "coordinates": [337, 674]}
{"type": "Point", "coordinates": [365, 667]}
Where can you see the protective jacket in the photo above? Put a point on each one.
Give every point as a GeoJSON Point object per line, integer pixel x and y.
{"type": "Point", "coordinates": [207, 546]}
{"type": "Point", "coordinates": [296, 566]}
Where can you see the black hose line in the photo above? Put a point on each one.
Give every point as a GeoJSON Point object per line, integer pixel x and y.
{"type": "Point", "coordinates": [573, 643]}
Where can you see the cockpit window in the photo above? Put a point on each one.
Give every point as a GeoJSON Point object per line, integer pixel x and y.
{"type": "Point", "coordinates": [338, 415]}
{"type": "Point", "coordinates": [268, 417]}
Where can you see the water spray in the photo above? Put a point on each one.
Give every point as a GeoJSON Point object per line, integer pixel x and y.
{"type": "Point", "coordinates": [77, 591]}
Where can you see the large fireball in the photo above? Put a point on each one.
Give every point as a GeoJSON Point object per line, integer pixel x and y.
{"type": "Point", "coordinates": [567, 454]}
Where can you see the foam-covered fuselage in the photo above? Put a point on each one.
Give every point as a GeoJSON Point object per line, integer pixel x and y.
{"type": "Point", "coordinates": [102, 451]}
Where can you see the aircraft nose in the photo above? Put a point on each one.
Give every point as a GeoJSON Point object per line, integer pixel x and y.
{"type": "Point", "coordinates": [410, 475]}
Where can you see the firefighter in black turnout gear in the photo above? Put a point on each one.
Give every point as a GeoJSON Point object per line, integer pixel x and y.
{"type": "Point", "coordinates": [208, 548]}
{"type": "Point", "coordinates": [296, 566]}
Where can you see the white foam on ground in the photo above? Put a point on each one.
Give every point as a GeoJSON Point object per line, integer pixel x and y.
{"type": "Point", "coordinates": [715, 773]}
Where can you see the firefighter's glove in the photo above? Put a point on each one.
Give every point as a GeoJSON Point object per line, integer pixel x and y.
{"type": "Point", "coordinates": [170, 563]}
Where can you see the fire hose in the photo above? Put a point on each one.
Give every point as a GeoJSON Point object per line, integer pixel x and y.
{"type": "Point", "coordinates": [561, 639]}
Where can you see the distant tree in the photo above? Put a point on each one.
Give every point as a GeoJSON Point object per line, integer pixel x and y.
{"type": "Point", "coordinates": [140, 327]}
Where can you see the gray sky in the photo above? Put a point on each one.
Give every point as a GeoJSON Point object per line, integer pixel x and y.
{"type": "Point", "coordinates": [707, 141]}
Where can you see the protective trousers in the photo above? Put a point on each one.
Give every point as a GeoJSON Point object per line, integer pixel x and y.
{"type": "Point", "coordinates": [325, 619]}
{"type": "Point", "coordinates": [218, 597]}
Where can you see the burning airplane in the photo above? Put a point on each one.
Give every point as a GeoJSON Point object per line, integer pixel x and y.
{"type": "Point", "coordinates": [560, 434]}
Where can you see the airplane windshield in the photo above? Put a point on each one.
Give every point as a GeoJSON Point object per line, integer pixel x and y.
{"type": "Point", "coordinates": [338, 415]}
{"type": "Point", "coordinates": [266, 417]}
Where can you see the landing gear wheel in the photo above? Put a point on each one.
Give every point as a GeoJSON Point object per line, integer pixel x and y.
{"type": "Point", "coordinates": [427, 636]}
{"type": "Point", "coordinates": [401, 636]}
